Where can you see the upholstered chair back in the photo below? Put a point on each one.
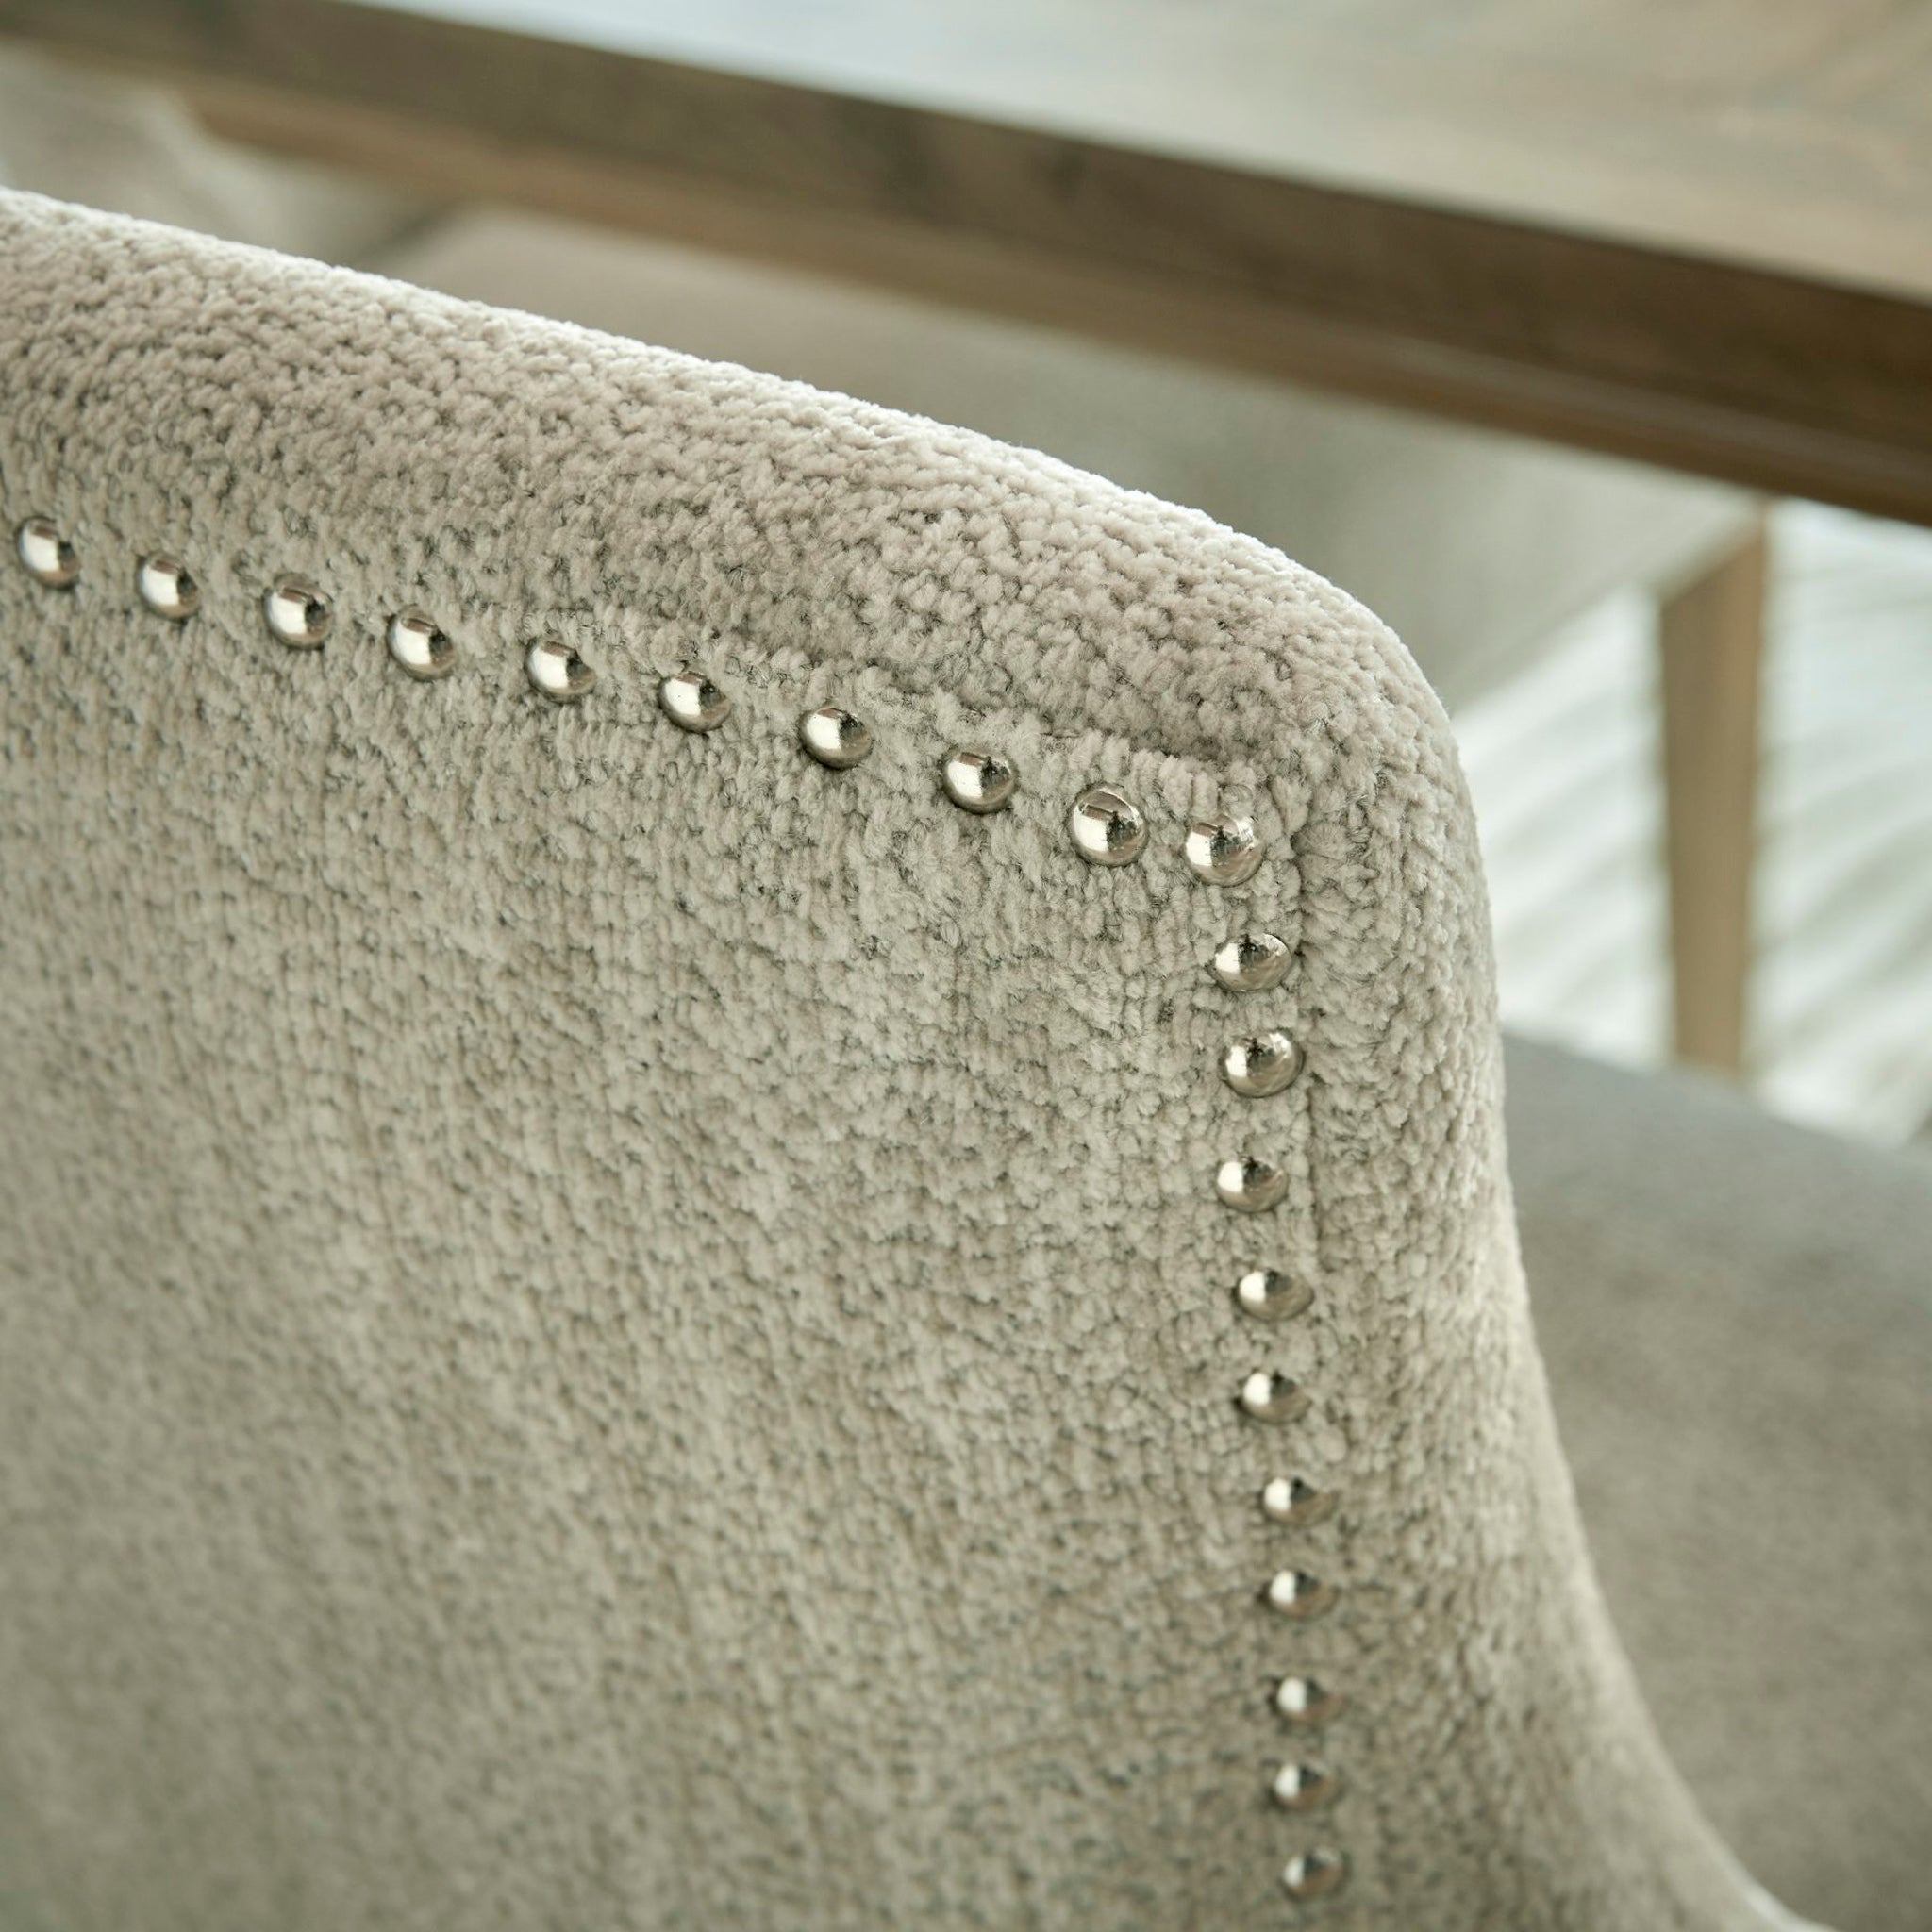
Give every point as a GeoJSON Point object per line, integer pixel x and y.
{"type": "Point", "coordinates": [750, 1174]}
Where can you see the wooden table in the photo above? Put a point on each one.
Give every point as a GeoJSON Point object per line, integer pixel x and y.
{"type": "Point", "coordinates": [1697, 232]}
{"type": "Point", "coordinates": [1693, 231]}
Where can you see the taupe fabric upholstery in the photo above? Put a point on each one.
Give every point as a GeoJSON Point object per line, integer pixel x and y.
{"type": "Point", "coordinates": [608, 1327]}
{"type": "Point", "coordinates": [1474, 548]}
{"type": "Point", "coordinates": [1736, 1316]}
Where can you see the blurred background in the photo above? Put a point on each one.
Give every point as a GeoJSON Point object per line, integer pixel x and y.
{"type": "Point", "coordinates": [1695, 710]}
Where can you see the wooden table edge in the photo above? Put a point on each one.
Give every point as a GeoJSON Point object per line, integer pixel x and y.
{"type": "Point", "coordinates": [1754, 376]}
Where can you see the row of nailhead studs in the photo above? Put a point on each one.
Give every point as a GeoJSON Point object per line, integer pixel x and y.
{"type": "Point", "coordinates": [1108, 829]}
{"type": "Point", "coordinates": [1107, 826]}
{"type": "Point", "coordinates": [1257, 1067]}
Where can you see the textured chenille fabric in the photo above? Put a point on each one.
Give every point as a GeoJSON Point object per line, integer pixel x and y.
{"type": "Point", "coordinates": [609, 1327]}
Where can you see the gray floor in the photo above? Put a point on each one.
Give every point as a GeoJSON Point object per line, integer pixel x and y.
{"type": "Point", "coordinates": [1563, 763]}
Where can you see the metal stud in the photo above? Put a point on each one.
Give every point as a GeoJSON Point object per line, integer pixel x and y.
{"type": "Point", "coordinates": [167, 586]}
{"type": "Point", "coordinates": [49, 558]}
{"type": "Point", "coordinates": [1108, 826]}
{"type": "Point", "coordinates": [1301, 1788]}
{"type": "Point", "coordinates": [1225, 852]}
{"type": "Point", "coordinates": [1289, 1499]}
{"type": "Point", "coordinates": [1257, 1067]}
{"type": "Point", "coordinates": [1269, 1295]}
{"type": "Point", "coordinates": [1295, 1594]}
{"type": "Point", "coordinates": [421, 646]}
{"type": "Point", "coordinates": [1252, 962]}
{"type": "Point", "coordinates": [1250, 1184]}
{"type": "Point", "coordinates": [298, 614]}
{"type": "Point", "coordinates": [690, 700]}
{"type": "Point", "coordinates": [1272, 1398]}
{"type": "Point", "coordinates": [1313, 1875]}
{"type": "Point", "coordinates": [556, 669]}
{"type": "Point", "coordinates": [977, 781]}
{"type": "Point", "coordinates": [835, 738]}
{"type": "Point", "coordinates": [1305, 1705]}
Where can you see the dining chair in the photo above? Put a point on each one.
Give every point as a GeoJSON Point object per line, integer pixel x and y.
{"type": "Point", "coordinates": [1476, 549]}
{"type": "Point", "coordinates": [753, 1174]}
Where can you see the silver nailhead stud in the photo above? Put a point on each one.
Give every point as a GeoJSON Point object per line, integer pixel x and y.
{"type": "Point", "coordinates": [1260, 1066]}
{"type": "Point", "coordinates": [557, 671]}
{"type": "Point", "coordinates": [1270, 1295]}
{"type": "Point", "coordinates": [1107, 827]}
{"type": "Point", "coordinates": [1271, 1398]}
{"type": "Point", "coordinates": [1293, 1593]}
{"type": "Point", "coordinates": [1314, 1874]}
{"type": "Point", "coordinates": [297, 613]}
{"type": "Point", "coordinates": [47, 556]}
{"type": "Point", "coordinates": [1288, 1499]}
{"type": "Point", "coordinates": [1305, 1705]}
{"type": "Point", "coordinates": [1252, 962]}
{"type": "Point", "coordinates": [835, 738]}
{"type": "Point", "coordinates": [691, 700]}
{"type": "Point", "coordinates": [1225, 852]}
{"type": "Point", "coordinates": [167, 586]}
{"type": "Point", "coordinates": [977, 781]}
{"type": "Point", "coordinates": [1249, 1184]}
{"type": "Point", "coordinates": [421, 646]}
{"type": "Point", "coordinates": [1303, 1788]}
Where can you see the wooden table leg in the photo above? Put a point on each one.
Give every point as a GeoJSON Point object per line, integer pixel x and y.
{"type": "Point", "coordinates": [1711, 635]}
